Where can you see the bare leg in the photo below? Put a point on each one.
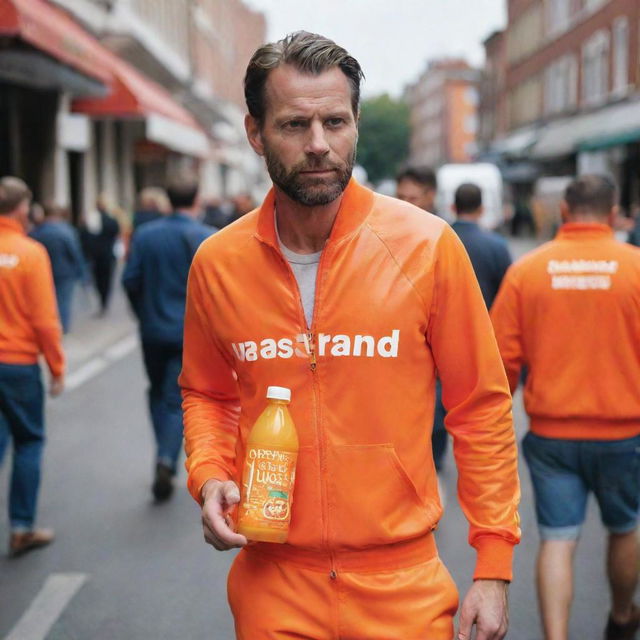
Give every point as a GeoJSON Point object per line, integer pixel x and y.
{"type": "Point", "coordinates": [555, 586]}
{"type": "Point", "coordinates": [622, 570]}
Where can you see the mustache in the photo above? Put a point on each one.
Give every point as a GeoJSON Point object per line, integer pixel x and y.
{"type": "Point", "coordinates": [321, 165]}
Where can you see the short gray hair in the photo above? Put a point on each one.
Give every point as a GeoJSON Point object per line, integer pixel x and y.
{"type": "Point", "coordinates": [13, 191]}
{"type": "Point", "coordinates": [594, 194]}
{"type": "Point", "coordinates": [309, 53]}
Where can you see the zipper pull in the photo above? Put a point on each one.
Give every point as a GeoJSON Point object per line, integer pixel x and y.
{"type": "Point", "coordinates": [312, 350]}
{"type": "Point", "coordinates": [332, 574]}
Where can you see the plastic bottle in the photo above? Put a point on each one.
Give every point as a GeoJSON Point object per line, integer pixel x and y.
{"type": "Point", "coordinates": [269, 472]}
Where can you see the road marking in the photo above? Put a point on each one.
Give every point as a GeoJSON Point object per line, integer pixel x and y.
{"type": "Point", "coordinates": [47, 606]}
{"type": "Point", "coordinates": [87, 371]}
{"type": "Point", "coordinates": [122, 348]}
{"type": "Point", "coordinates": [93, 367]}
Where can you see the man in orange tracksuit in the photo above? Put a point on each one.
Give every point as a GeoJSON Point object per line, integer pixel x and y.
{"type": "Point", "coordinates": [569, 312]}
{"type": "Point", "coordinates": [352, 300]}
{"type": "Point", "coordinates": [29, 325]}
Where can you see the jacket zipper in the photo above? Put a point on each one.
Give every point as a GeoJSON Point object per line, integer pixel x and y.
{"type": "Point", "coordinates": [309, 336]}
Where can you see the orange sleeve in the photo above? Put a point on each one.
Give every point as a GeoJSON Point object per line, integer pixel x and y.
{"type": "Point", "coordinates": [210, 398]}
{"type": "Point", "coordinates": [476, 396]}
{"type": "Point", "coordinates": [43, 308]}
{"type": "Point", "coordinates": [505, 315]}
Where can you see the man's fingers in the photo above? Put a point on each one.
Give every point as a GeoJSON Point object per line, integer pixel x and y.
{"type": "Point", "coordinates": [230, 493]}
{"type": "Point", "coordinates": [219, 529]}
{"type": "Point", "coordinates": [466, 622]}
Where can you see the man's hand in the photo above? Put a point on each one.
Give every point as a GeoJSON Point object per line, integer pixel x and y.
{"type": "Point", "coordinates": [56, 386]}
{"type": "Point", "coordinates": [218, 498]}
{"type": "Point", "coordinates": [485, 606]}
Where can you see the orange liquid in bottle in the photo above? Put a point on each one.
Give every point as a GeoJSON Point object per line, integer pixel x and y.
{"type": "Point", "coordinates": [269, 472]}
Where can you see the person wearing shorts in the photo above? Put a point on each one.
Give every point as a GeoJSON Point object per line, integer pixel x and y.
{"type": "Point", "coordinates": [568, 311]}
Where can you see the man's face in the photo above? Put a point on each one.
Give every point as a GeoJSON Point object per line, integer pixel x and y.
{"type": "Point", "coordinates": [309, 134]}
{"type": "Point", "coordinates": [418, 194]}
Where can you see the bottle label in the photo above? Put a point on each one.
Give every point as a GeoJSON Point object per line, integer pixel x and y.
{"type": "Point", "coordinates": [268, 481]}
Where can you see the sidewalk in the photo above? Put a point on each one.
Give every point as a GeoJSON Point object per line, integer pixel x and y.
{"type": "Point", "coordinates": [91, 335]}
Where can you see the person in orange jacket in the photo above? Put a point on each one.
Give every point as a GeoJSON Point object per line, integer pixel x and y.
{"type": "Point", "coordinates": [569, 312]}
{"type": "Point", "coordinates": [29, 325]}
{"type": "Point", "coordinates": [353, 300]}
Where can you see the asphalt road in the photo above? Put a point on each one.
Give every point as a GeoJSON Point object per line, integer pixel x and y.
{"type": "Point", "coordinates": [144, 572]}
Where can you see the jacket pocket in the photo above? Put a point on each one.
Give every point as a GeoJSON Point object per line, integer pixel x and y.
{"type": "Point", "coordinates": [372, 499]}
{"type": "Point", "coordinates": [306, 513]}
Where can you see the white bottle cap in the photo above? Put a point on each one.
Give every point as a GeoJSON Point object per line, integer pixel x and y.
{"type": "Point", "coordinates": [279, 393]}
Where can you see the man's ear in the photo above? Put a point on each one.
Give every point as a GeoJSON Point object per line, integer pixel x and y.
{"type": "Point", "coordinates": [564, 211]}
{"type": "Point", "coordinates": [613, 216]}
{"type": "Point", "coordinates": [254, 134]}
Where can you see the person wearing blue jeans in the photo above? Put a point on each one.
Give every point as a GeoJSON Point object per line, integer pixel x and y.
{"type": "Point", "coordinates": [29, 326]}
{"type": "Point", "coordinates": [155, 279]}
{"type": "Point", "coordinates": [63, 246]}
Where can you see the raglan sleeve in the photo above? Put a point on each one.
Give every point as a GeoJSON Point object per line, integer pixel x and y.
{"type": "Point", "coordinates": [478, 403]}
{"type": "Point", "coordinates": [505, 315]}
{"type": "Point", "coordinates": [210, 398]}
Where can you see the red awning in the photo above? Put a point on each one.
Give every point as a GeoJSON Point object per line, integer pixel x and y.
{"type": "Point", "coordinates": [51, 30]}
{"type": "Point", "coordinates": [131, 94]}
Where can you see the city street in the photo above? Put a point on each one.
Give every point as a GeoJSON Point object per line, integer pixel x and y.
{"type": "Point", "coordinates": [125, 568]}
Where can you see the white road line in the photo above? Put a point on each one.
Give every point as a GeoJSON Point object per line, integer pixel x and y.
{"type": "Point", "coordinates": [85, 372]}
{"type": "Point", "coordinates": [122, 348]}
{"type": "Point", "coordinates": [47, 606]}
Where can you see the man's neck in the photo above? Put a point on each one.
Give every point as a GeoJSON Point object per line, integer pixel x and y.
{"type": "Point", "coordinates": [468, 217]}
{"type": "Point", "coordinates": [304, 229]}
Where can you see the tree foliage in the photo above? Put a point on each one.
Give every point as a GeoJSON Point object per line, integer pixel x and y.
{"type": "Point", "coordinates": [383, 145]}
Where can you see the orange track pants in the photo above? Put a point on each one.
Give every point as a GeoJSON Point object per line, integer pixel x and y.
{"type": "Point", "coordinates": [273, 599]}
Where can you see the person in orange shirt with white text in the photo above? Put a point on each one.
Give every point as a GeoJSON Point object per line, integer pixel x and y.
{"type": "Point", "coordinates": [569, 312]}
{"type": "Point", "coordinates": [29, 325]}
{"type": "Point", "coordinates": [352, 300]}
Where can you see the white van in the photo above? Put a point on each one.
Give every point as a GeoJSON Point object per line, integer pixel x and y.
{"type": "Point", "coordinates": [483, 174]}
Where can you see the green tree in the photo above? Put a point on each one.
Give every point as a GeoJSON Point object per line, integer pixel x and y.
{"type": "Point", "coordinates": [383, 145]}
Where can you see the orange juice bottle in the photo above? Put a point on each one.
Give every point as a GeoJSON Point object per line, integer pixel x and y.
{"type": "Point", "coordinates": [269, 472]}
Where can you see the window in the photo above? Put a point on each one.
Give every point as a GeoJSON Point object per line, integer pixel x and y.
{"type": "Point", "coordinates": [558, 16]}
{"type": "Point", "coordinates": [560, 85]}
{"type": "Point", "coordinates": [595, 68]}
{"type": "Point", "coordinates": [620, 55]}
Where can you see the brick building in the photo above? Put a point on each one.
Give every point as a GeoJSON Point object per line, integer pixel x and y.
{"type": "Point", "coordinates": [572, 88]}
{"type": "Point", "coordinates": [443, 107]}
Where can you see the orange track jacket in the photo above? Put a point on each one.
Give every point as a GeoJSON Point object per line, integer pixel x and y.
{"type": "Point", "coordinates": [29, 322]}
{"type": "Point", "coordinates": [396, 298]}
{"type": "Point", "coordinates": [570, 312]}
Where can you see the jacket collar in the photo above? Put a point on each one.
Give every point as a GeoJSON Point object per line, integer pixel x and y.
{"type": "Point", "coordinates": [11, 225]}
{"type": "Point", "coordinates": [356, 204]}
{"type": "Point", "coordinates": [582, 230]}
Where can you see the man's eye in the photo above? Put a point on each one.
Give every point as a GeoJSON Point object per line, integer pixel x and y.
{"type": "Point", "coordinates": [294, 124]}
{"type": "Point", "coordinates": [335, 122]}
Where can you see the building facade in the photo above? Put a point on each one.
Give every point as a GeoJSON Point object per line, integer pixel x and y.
{"type": "Point", "coordinates": [572, 89]}
{"type": "Point", "coordinates": [443, 111]}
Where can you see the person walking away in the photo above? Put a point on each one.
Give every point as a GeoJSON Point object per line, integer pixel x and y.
{"type": "Point", "coordinates": [99, 237]}
{"type": "Point", "coordinates": [332, 291]}
{"type": "Point", "coordinates": [29, 325]}
{"type": "Point", "coordinates": [155, 279]}
{"type": "Point", "coordinates": [153, 203]}
{"type": "Point", "coordinates": [63, 246]}
{"type": "Point", "coordinates": [565, 308]}
{"type": "Point", "coordinates": [488, 251]}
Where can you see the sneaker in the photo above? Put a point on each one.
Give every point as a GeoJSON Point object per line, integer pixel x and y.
{"type": "Point", "coordinates": [163, 482]}
{"type": "Point", "coordinates": [23, 541]}
{"type": "Point", "coordinates": [626, 631]}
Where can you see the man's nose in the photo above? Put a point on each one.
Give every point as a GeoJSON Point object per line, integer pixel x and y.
{"type": "Point", "coordinates": [317, 144]}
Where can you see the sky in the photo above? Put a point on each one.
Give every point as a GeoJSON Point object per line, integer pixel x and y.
{"type": "Point", "coordinates": [392, 39]}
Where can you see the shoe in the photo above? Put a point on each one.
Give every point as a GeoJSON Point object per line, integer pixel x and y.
{"type": "Point", "coordinates": [163, 482]}
{"type": "Point", "coordinates": [23, 541]}
{"type": "Point", "coordinates": [626, 631]}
